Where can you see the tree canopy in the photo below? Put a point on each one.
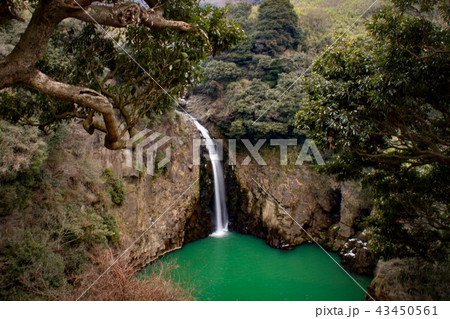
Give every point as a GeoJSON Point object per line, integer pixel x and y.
{"type": "Point", "coordinates": [277, 28]}
{"type": "Point", "coordinates": [382, 103]}
{"type": "Point", "coordinates": [250, 77]}
{"type": "Point", "coordinates": [109, 62]}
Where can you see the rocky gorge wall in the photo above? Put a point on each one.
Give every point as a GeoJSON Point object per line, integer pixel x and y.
{"type": "Point", "coordinates": [265, 200]}
{"type": "Point", "coordinates": [68, 206]}
{"type": "Point", "coordinates": [163, 212]}
{"type": "Point", "coordinates": [158, 216]}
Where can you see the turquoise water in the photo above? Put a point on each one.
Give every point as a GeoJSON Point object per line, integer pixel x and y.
{"type": "Point", "coordinates": [240, 267]}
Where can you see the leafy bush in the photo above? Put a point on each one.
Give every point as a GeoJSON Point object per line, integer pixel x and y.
{"type": "Point", "coordinates": [382, 103]}
{"type": "Point", "coordinates": [254, 111]}
{"type": "Point", "coordinates": [115, 186]}
{"type": "Point", "coordinates": [112, 228]}
{"type": "Point", "coordinates": [29, 265]}
{"type": "Point", "coordinates": [21, 151]}
{"type": "Point", "coordinates": [217, 76]}
{"type": "Point", "coordinates": [277, 28]}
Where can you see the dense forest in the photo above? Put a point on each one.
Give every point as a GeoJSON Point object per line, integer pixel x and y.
{"type": "Point", "coordinates": [367, 82]}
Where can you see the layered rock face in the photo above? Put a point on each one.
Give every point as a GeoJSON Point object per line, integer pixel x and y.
{"type": "Point", "coordinates": [290, 206]}
{"type": "Point", "coordinates": [164, 211]}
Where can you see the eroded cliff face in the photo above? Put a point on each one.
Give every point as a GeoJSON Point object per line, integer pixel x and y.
{"type": "Point", "coordinates": [287, 206]}
{"type": "Point", "coordinates": [161, 212]}
{"type": "Point", "coordinates": [68, 206]}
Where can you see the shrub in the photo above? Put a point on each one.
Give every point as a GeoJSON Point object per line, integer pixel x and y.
{"type": "Point", "coordinates": [122, 282]}
{"type": "Point", "coordinates": [115, 186]}
{"type": "Point", "coordinates": [31, 266]}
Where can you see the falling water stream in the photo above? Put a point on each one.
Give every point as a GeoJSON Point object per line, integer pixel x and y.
{"type": "Point", "coordinates": [220, 206]}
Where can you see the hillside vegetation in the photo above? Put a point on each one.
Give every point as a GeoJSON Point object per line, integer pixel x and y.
{"type": "Point", "coordinates": [323, 20]}
{"type": "Point", "coordinates": [61, 224]}
{"type": "Point", "coordinates": [283, 38]}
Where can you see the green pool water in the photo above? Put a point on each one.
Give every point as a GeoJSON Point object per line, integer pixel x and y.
{"type": "Point", "coordinates": [240, 267]}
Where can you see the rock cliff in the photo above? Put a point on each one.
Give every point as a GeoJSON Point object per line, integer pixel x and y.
{"type": "Point", "coordinates": [290, 206]}
{"type": "Point", "coordinates": [164, 211]}
{"type": "Point", "coordinates": [410, 279]}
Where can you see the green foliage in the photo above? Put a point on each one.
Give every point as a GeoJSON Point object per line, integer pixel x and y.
{"type": "Point", "coordinates": [115, 187]}
{"type": "Point", "coordinates": [418, 198]}
{"type": "Point", "coordinates": [223, 72]}
{"type": "Point", "coordinates": [21, 153]}
{"type": "Point", "coordinates": [25, 106]}
{"type": "Point", "coordinates": [218, 75]}
{"type": "Point", "coordinates": [382, 103]}
{"type": "Point", "coordinates": [277, 28]}
{"type": "Point", "coordinates": [258, 112]}
{"type": "Point", "coordinates": [240, 13]}
{"type": "Point", "coordinates": [250, 84]}
{"type": "Point", "coordinates": [325, 20]}
{"type": "Point", "coordinates": [30, 265]}
{"type": "Point", "coordinates": [50, 249]}
{"type": "Point", "coordinates": [83, 227]}
{"type": "Point", "coordinates": [112, 228]}
{"type": "Point", "coordinates": [168, 61]}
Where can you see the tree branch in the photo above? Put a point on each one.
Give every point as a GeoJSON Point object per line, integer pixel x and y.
{"type": "Point", "coordinates": [85, 97]}
{"type": "Point", "coordinates": [127, 14]}
{"type": "Point", "coordinates": [19, 66]}
{"type": "Point", "coordinates": [117, 16]}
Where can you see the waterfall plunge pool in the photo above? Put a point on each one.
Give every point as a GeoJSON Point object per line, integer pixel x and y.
{"type": "Point", "coordinates": [242, 267]}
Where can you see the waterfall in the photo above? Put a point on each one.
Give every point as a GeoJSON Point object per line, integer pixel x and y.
{"type": "Point", "coordinates": [220, 206]}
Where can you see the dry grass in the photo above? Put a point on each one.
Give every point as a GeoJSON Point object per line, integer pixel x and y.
{"type": "Point", "coordinates": [18, 148]}
{"type": "Point", "coordinates": [122, 283]}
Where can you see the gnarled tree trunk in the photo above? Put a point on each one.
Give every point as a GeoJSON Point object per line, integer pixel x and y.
{"type": "Point", "coordinates": [19, 67]}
